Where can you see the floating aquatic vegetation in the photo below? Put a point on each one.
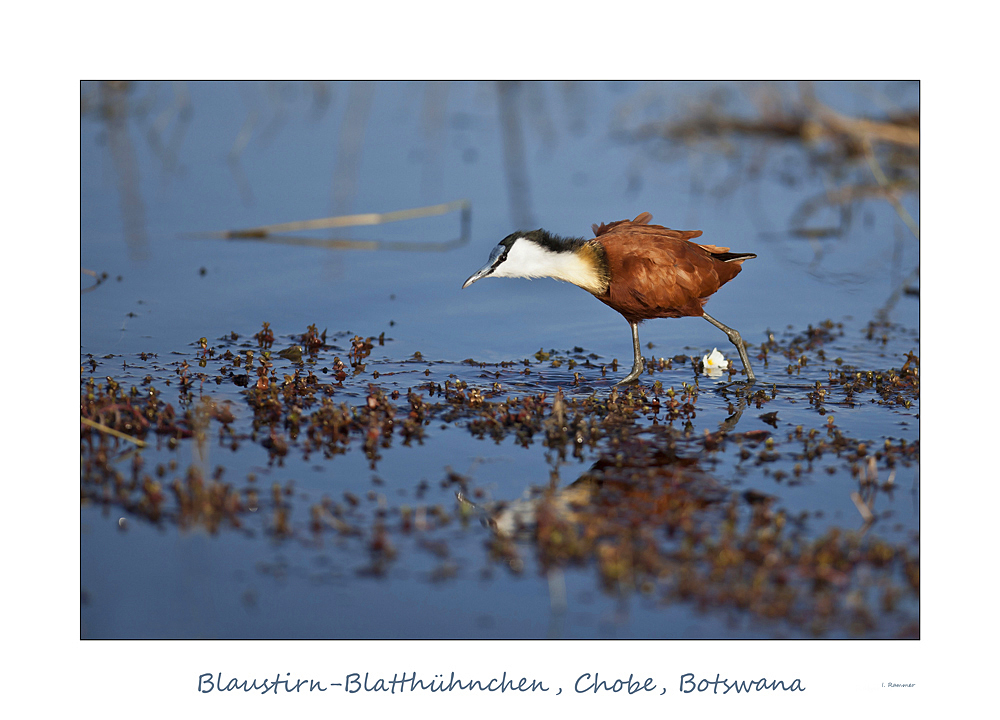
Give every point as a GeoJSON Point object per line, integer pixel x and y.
{"type": "Point", "coordinates": [653, 513]}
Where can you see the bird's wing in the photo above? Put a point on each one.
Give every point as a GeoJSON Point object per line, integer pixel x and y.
{"type": "Point", "coordinates": [657, 274]}
{"type": "Point", "coordinates": [642, 219]}
{"type": "Point", "coordinates": [643, 232]}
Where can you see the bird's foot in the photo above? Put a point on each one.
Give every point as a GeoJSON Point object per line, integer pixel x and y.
{"type": "Point", "coordinates": [741, 387]}
{"type": "Point", "coordinates": [632, 377]}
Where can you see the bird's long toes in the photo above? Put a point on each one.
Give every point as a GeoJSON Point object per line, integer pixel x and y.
{"type": "Point", "coordinates": [631, 379]}
{"type": "Point", "coordinates": [740, 387]}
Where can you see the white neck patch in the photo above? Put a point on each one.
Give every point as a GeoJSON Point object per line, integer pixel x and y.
{"type": "Point", "coordinates": [527, 259]}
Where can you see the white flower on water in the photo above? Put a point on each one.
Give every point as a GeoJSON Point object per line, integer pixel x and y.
{"type": "Point", "coordinates": [714, 363]}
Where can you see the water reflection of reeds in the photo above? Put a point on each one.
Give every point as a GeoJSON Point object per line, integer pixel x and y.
{"type": "Point", "coordinates": [113, 109]}
{"type": "Point", "coordinates": [860, 159]}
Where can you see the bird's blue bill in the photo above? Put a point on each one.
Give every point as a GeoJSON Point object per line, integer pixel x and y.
{"type": "Point", "coordinates": [487, 268]}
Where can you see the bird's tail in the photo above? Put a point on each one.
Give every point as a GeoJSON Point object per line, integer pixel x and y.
{"type": "Point", "coordinates": [733, 257]}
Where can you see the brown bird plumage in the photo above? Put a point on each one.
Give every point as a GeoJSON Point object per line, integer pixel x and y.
{"type": "Point", "coordinates": [656, 272]}
{"type": "Point", "coordinates": [643, 271]}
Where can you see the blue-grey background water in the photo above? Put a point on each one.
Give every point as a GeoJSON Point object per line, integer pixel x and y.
{"type": "Point", "coordinates": [165, 165]}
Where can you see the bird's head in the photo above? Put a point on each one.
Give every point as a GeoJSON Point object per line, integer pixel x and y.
{"type": "Point", "coordinates": [525, 254]}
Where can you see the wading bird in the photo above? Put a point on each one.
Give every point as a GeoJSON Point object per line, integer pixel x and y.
{"type": "Point", "coordinates": [643, 271]}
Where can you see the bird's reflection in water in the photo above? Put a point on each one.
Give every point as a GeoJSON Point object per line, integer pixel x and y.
{"type": "Point", "coordinates": [643, 482]}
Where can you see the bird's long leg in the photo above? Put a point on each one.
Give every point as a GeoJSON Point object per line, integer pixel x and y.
{"type": "Point", "coordinates": [638, 364]}
{"type": "Point", "coordinates": [735, 339]}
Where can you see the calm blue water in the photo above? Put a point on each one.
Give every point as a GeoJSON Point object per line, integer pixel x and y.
{"type": "Point", "coordinates": [172, 163]}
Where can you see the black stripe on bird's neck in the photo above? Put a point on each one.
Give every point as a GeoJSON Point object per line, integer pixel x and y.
{"type": "Point", "coordinates": [547, 240]}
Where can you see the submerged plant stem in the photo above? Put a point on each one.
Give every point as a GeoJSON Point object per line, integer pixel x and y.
{"type": "Point", "coordinates": [112, 431]}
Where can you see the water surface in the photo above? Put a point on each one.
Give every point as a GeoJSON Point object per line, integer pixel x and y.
{"type": "Point", "coordinates": [164, 166]}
